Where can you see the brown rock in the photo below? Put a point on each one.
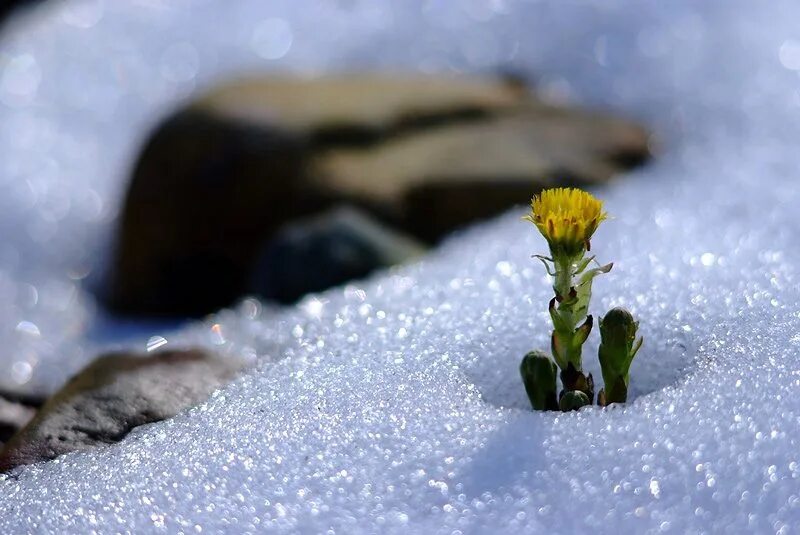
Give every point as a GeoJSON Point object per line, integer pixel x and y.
{"type": "Point", "coordinates": [442, 178]}
{"type": "Point", "coordinates": [427, 155]}
{"type": "Point", "coordinates": [113, 395]}
{"type": "Point", "coordinates": [354, 109]}
{"type": "Point", "coordinates": [204, 194]}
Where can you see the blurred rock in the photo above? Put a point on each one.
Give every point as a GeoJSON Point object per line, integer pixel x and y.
{"type": "Point", "coordinates": [358, 109]}
{"type": "Point", "coordinates": [325, 251]}
{"type": "Point", "coordinates": [217, 179]}
{"type": "Point", "coordinates": [205, 193]}
{"type": "Point", "coordinates": [442, 178]}
{"type": "Point", "coordinates": [425, 155]}
{"type": "Point", "coordinates": [113, 395]}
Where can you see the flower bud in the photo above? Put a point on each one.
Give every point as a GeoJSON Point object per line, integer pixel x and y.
{"type": "Point", "coordinates": [573, 400]}
{"type": "Point", "coordinates": [539, 376]}
{"type": "Point", "coordinates": [618, 329]}
{"type": "Point", "coordinates": [618, 346]}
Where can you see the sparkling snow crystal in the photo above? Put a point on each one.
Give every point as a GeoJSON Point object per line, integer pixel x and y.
{"type": "Point", "coordinates": [394, 405]}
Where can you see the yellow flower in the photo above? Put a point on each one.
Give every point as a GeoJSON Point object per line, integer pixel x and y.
{"type": "Point", "coordinates": [567, 218]}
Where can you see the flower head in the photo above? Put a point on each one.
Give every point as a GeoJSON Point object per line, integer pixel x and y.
{"type": "Point", "coordinates": [567, 218]}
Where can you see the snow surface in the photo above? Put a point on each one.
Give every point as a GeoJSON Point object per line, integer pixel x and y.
{"type": "Point", "coordinates": [394, 405]}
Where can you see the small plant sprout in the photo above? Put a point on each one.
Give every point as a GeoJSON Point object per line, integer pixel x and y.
{"type": "Point", "coordinates": [539, 376]}
{"type": "Point", "coordinates": [618, 346]}
{"type": "Point", "coordinates": [568, 218]}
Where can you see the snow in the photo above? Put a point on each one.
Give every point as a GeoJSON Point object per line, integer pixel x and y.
{"type": "Point", "coordinates": [394, 405]}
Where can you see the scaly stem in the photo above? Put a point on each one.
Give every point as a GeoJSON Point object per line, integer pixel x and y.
{"type": "Point", "coordinates": [563, 278]}
{"type": "Point", "coordinates": [566, 333]}
{"type": "Point", "coordinates": [568, 338]}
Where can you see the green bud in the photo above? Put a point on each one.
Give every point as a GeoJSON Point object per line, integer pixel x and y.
{"type": "Point", "coordinates": [618, 346]}
{"type": "Point", "coordinates": [618, 329]}
{"type": "Point", "coordinates": [573, 400]}
{"type": "Point", "coordinates": [539, 376]}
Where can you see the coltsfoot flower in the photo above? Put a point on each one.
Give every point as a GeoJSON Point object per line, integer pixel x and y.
{"type": "Point", "coordinates": [567, 218]}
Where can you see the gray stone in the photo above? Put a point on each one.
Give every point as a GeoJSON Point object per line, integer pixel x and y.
{"type": "Point", "coordinates": [325, 251]}
{"type": "Point", "coordinates": [113, 395]}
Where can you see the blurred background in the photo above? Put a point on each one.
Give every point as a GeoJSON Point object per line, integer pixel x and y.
{"type": "Point", "coordinates": [275, 174]}
{"type": "Point", "coordinates": [277, 184]}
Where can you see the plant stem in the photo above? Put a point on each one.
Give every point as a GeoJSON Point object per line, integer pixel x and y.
{"type": "Point", "coordinates": [563, 279]}
{"type": "Point", "coordinates": [566, 332]}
